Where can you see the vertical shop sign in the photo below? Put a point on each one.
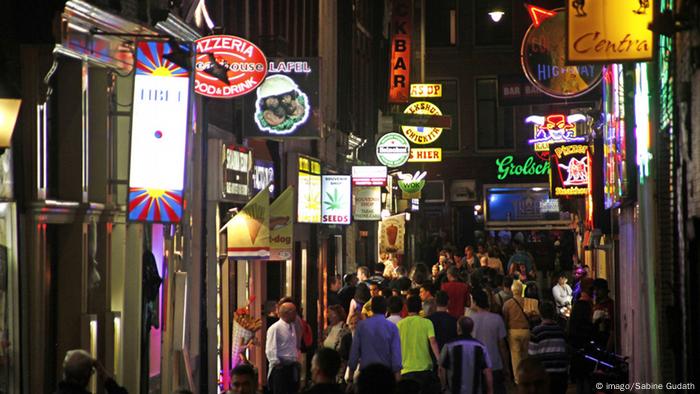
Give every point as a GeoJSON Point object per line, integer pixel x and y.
{"type": "Point", "coordinates": [570, 172]}
{"type": "Point", "coordinates": [264, 175]}
{"type": "Point", "coordinates": [157, 162]}
{"type": "Point", "coordinates": [391, 234]}
{"type": "Point", "coordinates": [248, 233]}
{"type": "Point", "coordinates": [237, 165]}
{"type": "Point", "coordinates": [400, 66]}
{"type": "Point", "coordinates": [282, 225]}
{"type": "Point", "coordinates": [309, 186]}
{"type": "Point", "coordinates": [336, 200]}
{"type": "Point", "coordinates": [367, 203]}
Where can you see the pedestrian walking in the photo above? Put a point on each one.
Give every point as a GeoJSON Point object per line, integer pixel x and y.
{"type": "Point", "coordinates": [347, 292]}
{"type": "Point", "coordinates": [325, 366]}
{"type": "Point", "coordinates": [244, 380]}
{"type": "Point", "coordinates": [548, 345]}
{"type": "Point", "coordinates": [417, 341]}
{"type": "Point", "coordinates": [427, 295]}
{"type": "Point", "coordinates": [376, 341]}
{"type": "Point", "coordinates": [281, 351]}
{"type": "Point", "coordinates": [517, 314]}
{"type": "Point", "coordinates": [532, 377]}
{"type": "Point", "coordinates": [445, 325]}
{"type": "Point", "coordinates": [490, 330]}
{"type": "Point", "coordinates": [395, 307]}
{"type": "Point", "coordinates": [466, 363]}
{"type": "Point", "coordinates": [458, 293]}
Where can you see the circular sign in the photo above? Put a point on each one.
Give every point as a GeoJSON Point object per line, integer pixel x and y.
{"type": "Point", "coordinates": [241, 66]}
{"type": "Point", "coordinates": [422, 135]}
{"type": "Point", "coordinates": [543, 58]}
{"type": "Point", "coordinates": [393, 150]}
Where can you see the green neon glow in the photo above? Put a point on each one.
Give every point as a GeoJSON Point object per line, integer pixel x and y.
{"type": "Point", "coordinates": [507, 168]}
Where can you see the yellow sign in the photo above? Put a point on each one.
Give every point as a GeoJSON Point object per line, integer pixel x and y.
{"type": "Point", "coordinates": [425, 155]}
{"type": "Point", "coordinates": [426, 90]}
{"type": "Point", "coordinates": [248, 233]}
{"type": "Point", "coordinates": [422, 135]}
{"type": "Point", "coordinates": [282, 225]}
{"type": "Point", "coordinates": [609, 31]}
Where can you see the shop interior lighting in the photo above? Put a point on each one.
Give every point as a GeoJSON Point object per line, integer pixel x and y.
{"type": "Point", "coordinates": [10, 102]}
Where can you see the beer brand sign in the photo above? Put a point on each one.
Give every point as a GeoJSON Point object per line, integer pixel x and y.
{"type": "Point", "coordinates": [570, 173]}
{"type": "Point", "coordinates": [244, 63]}
{"type": "Point", "coordinates": [400, 66]}
{"type": "Point", "coordinates": [422, 135]}
{"type": "Point", "coordinates": [508, 168]}
{"type": "Point", "coordinates": [543, 58]}
{"type": "Point", "coordinates": [609, 31]}
{"type": "Point", "coordinates": [425, 155]}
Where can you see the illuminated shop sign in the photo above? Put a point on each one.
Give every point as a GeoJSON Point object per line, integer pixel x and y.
{"type": "Point", "coordinates": [412, 184]}
{"type": "Point", "coordinates": [237, 166]}
{"type": "Point", "coordinates": [615, 138]}
{"type": "Point", "coordinates": [609, 31]}
{"type": "Point", "coordinates": [426, 90]}
{"type": "Point", "coordinates": [281, 226]}
{"type": "Point", "coordinates": [542, 56]}
{"type": "Point", "coordinates": [369, 175]}
{"type": "Point", "coordinates": [422, 135]}
{"type": "Point", "coordinates": [393, 150]}
{"type": "Point", "coordinates": [264, 175]}
{"type": "Point", "coordinates": [337, 199]}
{"type": "Point", "coordinates": [157, 161]}
{"type": "Point", "coordinates": [425, 155]}
{"type": "Point", "coordinates": [508, 168]}
{"type": "Point", "coordinates": [248, 233]}
{"type": "Point", "coordinates": [570, 170]}
{"type": "Point", "coordinates": [557, 128]}
{"type": "Point", "coordinates": [549, 206]}
{"type": "Point", "coordinates": [309, 191]}
{"type": "Point", "coordinates": [244, 64]}
{"type": "Point", "coordinates": [400, 65]}
{"type": "Point", "coordinates": [367, 203]}
{"type": "Point", "coordinates": [285, 105]}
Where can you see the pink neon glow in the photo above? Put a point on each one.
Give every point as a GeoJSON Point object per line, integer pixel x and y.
{"type": "Point", "coordinates": [156, 333]}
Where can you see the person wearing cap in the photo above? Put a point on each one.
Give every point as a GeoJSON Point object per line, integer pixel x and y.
{"type": "Point", "coordinates": [78, 368]}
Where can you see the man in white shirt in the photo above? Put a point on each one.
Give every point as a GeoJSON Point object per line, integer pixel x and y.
{"type": "Point", "coordinates": [562, 292]}
{"type": "Point", "coordinates": [281, 352]}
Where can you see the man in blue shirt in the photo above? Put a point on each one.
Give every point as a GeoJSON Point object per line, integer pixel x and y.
{"type": "Point", "coordinates": [376, 341]}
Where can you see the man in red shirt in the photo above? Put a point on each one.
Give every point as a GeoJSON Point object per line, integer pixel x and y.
{"type": "Point", "coordinates": [459, 293]}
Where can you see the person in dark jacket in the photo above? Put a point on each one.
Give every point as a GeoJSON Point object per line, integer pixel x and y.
{"type": "Point", "coordinates": [324, 371]}
{"type": "Point", "coordinates": [78, 367]}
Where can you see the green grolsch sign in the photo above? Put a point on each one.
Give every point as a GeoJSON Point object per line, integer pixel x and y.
{"type": "Point", "coordinates": [508, 168]}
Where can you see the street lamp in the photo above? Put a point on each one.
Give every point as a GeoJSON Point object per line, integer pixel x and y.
{"type": "Point", "coordinates": [10, 101]}
{"type": "Point", "coordinates": [496, 15]}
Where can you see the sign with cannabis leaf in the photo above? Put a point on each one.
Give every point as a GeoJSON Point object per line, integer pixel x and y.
{"type": "Point", "coordinates": [336, 200]}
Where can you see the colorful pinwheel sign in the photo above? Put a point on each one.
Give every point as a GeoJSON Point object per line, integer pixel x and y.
{"type": "Point", "coordinates": [158, 136]}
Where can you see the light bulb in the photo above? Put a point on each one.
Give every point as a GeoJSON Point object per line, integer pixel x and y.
{"type": "Point", "coordinates": [496, 15]}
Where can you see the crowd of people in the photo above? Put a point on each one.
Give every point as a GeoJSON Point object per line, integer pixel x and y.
{"type": "Point", "coordinates": [470, 324]}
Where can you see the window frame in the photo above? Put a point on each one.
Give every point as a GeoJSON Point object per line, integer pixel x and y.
{"type": "Point", "coordinates": [477, 147]}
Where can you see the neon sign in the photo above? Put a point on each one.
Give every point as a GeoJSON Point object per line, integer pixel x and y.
{"type": "Point", "coordinates": [422, 135]}
{"type": "Point", "coordinates": [412, 183]}
{"type": "Point", "coordinates": [554, 129]}
{"type": "Point", "coordinates": [508, 168]}
{"type": "Point", "coordinates": [400, 66]}
{"type": "Point", "coordinates": [570, 173]}
{"type": "Point", "coordinates": [426, 90]}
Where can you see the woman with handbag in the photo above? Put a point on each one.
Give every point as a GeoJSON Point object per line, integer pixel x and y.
{"type": "Point", "coordinates": [519, 314]}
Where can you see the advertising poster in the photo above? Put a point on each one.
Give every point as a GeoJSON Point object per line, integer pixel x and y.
{"type": "Point", "coordinates": [237, 166]}
{"type": "Point", "coordinates": [391, 234]}
{"type": "Point", "coordinates": [367, 204]}
{"type": "Point", "coordinates": [157, 161]}
{"type": "Point", "coordinates": [264, 175]}
{"type": "Point", "coordinates": [337, 199]}
{"type": "Point", "coordinates": [369, 175]}
{"type": "Point", "coordinates": [248, 233]}
{"type": "Point", "coordinates": [286, 104]}
{"type": "Point", "coordinates": [570, 170]}
{"type": "Point", "coordinates": [282, 225]}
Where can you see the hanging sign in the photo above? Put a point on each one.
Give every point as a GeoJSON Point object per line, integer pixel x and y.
{"type": "Point", "coordinates": [609, 31]}
{"type": "Point", "coordinates": [422, 135]}
{"type": "Point", "coordinates": [237, 166]}
{"type": "Point", "coordinates": [556, 128]}
{"type": "Point", "coordinates": [157, 159]}
{"type": "Point", "coordinates": [543, 58]}
{"type": "Point", "coordinates": [282, 225]}
{"type": "Point", "coordinates": [412, 184]}
{"type": "Point", "coordinates": [508, 168]}
{"type": "Point", "coordinates": [285, 105]}
{"type": "Point", "coordinates": [393, 150]}
{"type": "Point", "coordinates": [426, 90]}
{"type": "Point", "coordinates": [425, 155]}
{"type": "Point", "coordinates": [243, 66]}
{"type": "Point", "coordinates": [391, 234]}
{"type": "Point", "coordinates": [367, 203]}
{"type": "Point", "coordinates": [336, 200]}
{"type": "Point", "coordinates": [248, 233]}
{"type": "Point", "coordinates": [369, 175]}
{"type": "Point", "coordinates": [309, 191]}
{"type": "Point", "coordinates": [400, 64]}
{"type": "Point", "coordinates": [264, 175]}
{"type": "Point", "coordinates": [570, 170]}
